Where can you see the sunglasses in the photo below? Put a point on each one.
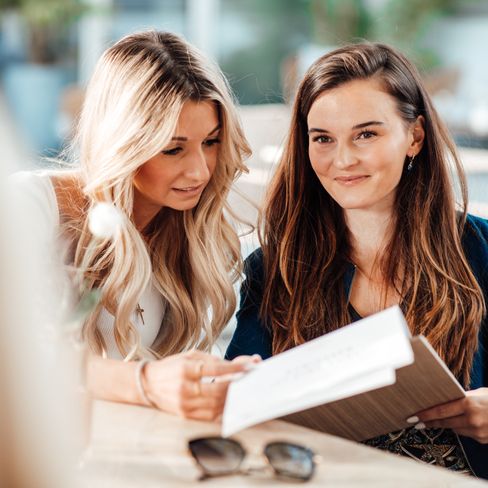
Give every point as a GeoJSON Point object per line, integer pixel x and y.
{"type": "Point", "coordinates": [218, 456]}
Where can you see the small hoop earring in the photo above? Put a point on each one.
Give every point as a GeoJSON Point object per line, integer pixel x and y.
{"type": "Point", "coordinates": [410, 163]}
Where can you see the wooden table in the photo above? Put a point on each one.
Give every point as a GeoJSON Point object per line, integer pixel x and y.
{"type": "Point", "coordinates": [138, 447]}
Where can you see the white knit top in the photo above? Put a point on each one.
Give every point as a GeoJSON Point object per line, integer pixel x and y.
{"type": "Point", "coordinates": [39, 198]}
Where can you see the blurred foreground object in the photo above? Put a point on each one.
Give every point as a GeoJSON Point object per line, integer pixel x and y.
{"type": "Point", "coordinates": [39, 414]}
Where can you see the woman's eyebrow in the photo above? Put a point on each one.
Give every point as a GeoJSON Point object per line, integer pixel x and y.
{"type": "Point", "coordinates": [217, 128]}
{"type": "Point", "coordinates": [357, 126]}
{"type": "Point", "coordinates": [316, 129]}
{"type": "Point", "coordinates": [183, 139]}
{"type": "Point", "coordinates": [366, 124]}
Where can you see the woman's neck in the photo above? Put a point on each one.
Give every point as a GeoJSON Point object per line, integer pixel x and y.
{"type": "Point", "coordinates": [371, 289]}
{"type": "Point", "coordinates": [144, 211]}
{"type": "Point", "coordinates": [370, 233]}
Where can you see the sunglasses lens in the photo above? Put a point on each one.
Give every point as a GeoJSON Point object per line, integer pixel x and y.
{"type": "Point", "coordinates": [217, 455]}
{"type": "Point", "coordinates": [290, 460]}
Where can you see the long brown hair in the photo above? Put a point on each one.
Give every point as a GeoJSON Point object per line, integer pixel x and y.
{"type": "Point", "coordinates": [307, 246]}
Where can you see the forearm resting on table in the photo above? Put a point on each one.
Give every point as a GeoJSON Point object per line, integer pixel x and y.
{"type": "Point", "coordinates": [112, 379]}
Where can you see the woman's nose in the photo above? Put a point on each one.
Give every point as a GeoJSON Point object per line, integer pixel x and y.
{"type": "Point", "coordinates": [345, 156]}
{"type": "Point", "coordinates": [196, 166]}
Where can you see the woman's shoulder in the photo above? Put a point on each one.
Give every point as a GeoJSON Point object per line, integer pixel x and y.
{"type": "Point", "coordinates": [475, 245]}
{"type": "Point", "coordinates": [478, 222]}
{"type": "Point", "coordinates": [33, 196]}
{"type": "Point", "coordinates": [476, 231]}
{"type": "Point", "coordinates": [254, 266]}
{"type": "Point", "coordinates": [35, 181]}
{"type": "Point", "coordinates": [255, 259]}
{"type": "Point", "coordinates": [47, 196]}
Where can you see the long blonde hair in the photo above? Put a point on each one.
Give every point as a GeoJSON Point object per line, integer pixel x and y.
{"type": "Point", "coordinates": [130, 113]}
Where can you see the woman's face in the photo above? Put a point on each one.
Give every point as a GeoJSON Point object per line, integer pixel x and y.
{"type": "Point", "coordinates": [177, 176]}
{"type": "Point", "coordinates": [358, 143]}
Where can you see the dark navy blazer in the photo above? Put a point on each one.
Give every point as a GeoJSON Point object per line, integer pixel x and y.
{"type": "Point", "coordinates": [252, 337]}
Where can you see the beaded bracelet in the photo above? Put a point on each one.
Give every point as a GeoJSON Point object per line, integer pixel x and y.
{"type": "Point", "coordinates": [140, 388]}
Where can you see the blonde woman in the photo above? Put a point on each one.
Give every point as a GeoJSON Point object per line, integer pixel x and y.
{"type": "Point", "coordinates": [159, 140]}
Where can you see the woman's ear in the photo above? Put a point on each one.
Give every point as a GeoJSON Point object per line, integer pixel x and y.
{"type": "Point", "coordinates": [418, 136]}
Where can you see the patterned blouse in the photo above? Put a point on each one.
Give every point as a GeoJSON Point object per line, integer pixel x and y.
{"type": "Point", "coordinates": [438, 447]}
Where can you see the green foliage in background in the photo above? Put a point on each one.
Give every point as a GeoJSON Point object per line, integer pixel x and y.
{"type": "Point", "coordinates": [280, 27]}
{"type": "Point", "coordinates": [402, 23]}
{"type": "Point", "coordinates": [46, 12]}
{"type": "Point", "coordinates": [51, 12]}
{"type": "Point", "coordinates": [48, 23]}
{"type": "Point", "coordinates": [337, 21]}
{"type": "Point", "coordinates": [6, 4]}
{"type": "Point", "coordinates": [405, 24]}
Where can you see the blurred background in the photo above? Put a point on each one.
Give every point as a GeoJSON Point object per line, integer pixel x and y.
{"type": "Point", "coordinates": [48, 49]}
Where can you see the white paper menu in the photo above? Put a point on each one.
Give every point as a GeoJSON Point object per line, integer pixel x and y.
{"type": "Point", "coordinates": [359, 357]}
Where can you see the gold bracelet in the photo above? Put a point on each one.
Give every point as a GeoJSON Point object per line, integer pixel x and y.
{"type": "Point", "coordinates": [140, 387]}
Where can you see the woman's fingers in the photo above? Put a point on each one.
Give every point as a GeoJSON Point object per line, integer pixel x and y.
{"type": "Point", "coordinates": [201, 402]}
{"type": "Point", "coordinates": [195, 388]}
{"type": "Point", "coordinates": [204, 414]}
{"type": "Point", "coordinates": [444, 411]}
{"type": "Point", "coordinates": [176, 382]}
{"type": "Point", "coordinates": [197, 367]}
{"type": "Point", "coordinates": [468, 416]}
{"type": "Point", "coordinates": [215, 389]}
{"type": "Point", "coordinates": [207, 397]}
{"type": "Point", "coordinates": [475, 401]}
{"type": "Point", "coordinates": [458, 422]}
{"type": "Point", "coordinates": [254, 359]}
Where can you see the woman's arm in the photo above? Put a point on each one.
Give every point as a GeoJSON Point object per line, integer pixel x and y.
{"type": "Point", "coordinates": [251, 336]}
{"type": "Point", "coordinates": [112, 379]}
{"type": "Point", "coordinates": [173, 384]}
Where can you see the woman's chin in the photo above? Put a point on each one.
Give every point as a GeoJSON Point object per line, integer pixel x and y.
{"type": "Point", "coordinates": [182, 206]}
{"type": "Point", "coordinates": [352, 204]}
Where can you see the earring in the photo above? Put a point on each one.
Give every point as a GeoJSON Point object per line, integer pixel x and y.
{"type": "Point", "coordinates": [410, 163]}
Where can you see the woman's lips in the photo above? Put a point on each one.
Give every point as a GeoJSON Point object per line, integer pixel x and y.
{"type": "Point", "coordinates": [189, 190]}
{"type": "Point", "coordinates": [351, 180]}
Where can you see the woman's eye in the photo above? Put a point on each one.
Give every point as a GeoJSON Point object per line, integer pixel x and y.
{"type": "Point", "coordinates": [322, 139]}
{"type": "Point", "coordinates": [366, 134]}
{"type": "Point", "coordinates": [211, 142]}
{"type": "Point", "coordinates": [171, 152]}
